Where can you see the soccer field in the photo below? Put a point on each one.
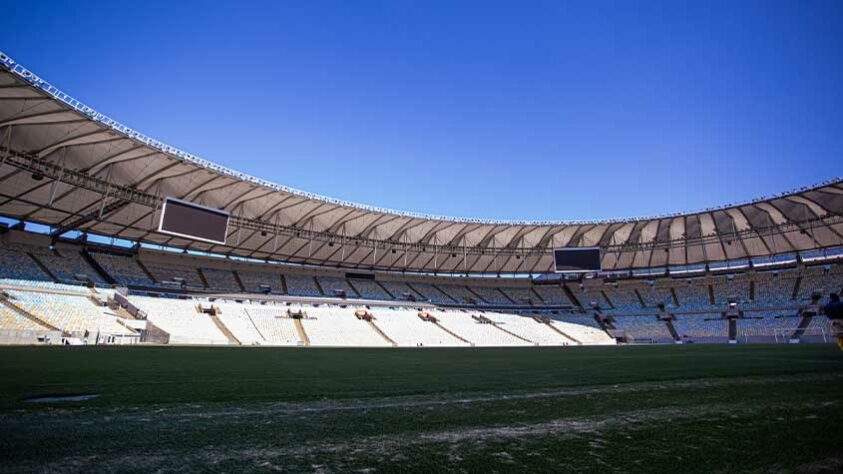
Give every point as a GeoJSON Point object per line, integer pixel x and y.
{"type": "Point", "coordinates": [646, 408]}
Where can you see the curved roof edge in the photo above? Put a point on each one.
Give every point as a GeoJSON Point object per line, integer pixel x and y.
{"type": "Point", "coordinates": [13, 66]}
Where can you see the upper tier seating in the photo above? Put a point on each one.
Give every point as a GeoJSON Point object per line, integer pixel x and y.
{"type": "Point", "coordinates": [400, 290]}
{"type": "Point", "coordinates": [655, 295]}
{"type": "Point", "coordinates": [491, 295]}
{"type": "Point", "coordinates": [725, 289]}
{"type": "Point", "coordinates": [624, 300]}
{"type": "Point", "coordinates": [552, 295]}
{"type": "Point", "coordinates": [169, 273]}
{"type": "Point", "coordinates": [816, 280]}
{"type": "Point", "coordinates": [253, 281]}
{"type": "Point", "coordinates": [773, 291]}
{"type": "Point", "coordinates": [479, 334]}
{"type": "Point", "coordinates": [430, 293]}
{"type": "Point", "coordinates": [335, 326]}
{"type": "Point", "coordinates": [123, 268]}
{"type": "Point", "coordinates": [69, 264]}
{"type": "Point", "coordinates": [589, 296]}
{"type": "Point", "coordinates": [408, 330]}
{"type": "Point", "coordinates": [221, 280]}
{"type": "Point", "coordinates": [301, 285]}
{"type": "Point", "coordinates": [16, 264]}
{"type": "Point", "coordinates": [693, 296]}
{"type": "Point", "coordinates": [370, 289]}
{"type": "Point", "coordinates": [521, 296]}
{"type": "Point", "coordinates": [330, 285]}
{"type": "Point", "coordinates": [460, 294]}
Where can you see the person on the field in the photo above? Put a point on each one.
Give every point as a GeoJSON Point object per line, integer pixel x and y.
{"type": "Point", "coordinates": [834, 312]}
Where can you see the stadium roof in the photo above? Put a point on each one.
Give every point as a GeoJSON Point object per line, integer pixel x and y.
{"type": "Point", "coordinates": [65, 165]}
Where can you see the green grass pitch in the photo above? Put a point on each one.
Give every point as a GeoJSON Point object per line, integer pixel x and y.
{"type": "Point", "coordinates": [718, 408]}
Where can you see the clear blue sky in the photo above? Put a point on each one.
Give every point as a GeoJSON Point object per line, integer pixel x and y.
{"type": "Point", "coordinates": [513, 110]}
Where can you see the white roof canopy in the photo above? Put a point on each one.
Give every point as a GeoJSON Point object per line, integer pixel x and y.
{"type": "Point", "coordinates": [98, 175]}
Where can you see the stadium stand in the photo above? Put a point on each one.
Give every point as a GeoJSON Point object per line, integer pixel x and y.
{"type": "Point", "coordinates": [274, 325]}
{"type": "Point", "coordinates": [490, 295]}
{"type": "Point", "coordinates": [67, 265]}
{"type": "Point", "coordinates": [181, 320]}
{"type": "Point", "coordinates": [75, 315]}
{"type": "Point", "coordinates": [12, 321]}
{"type": "Point", "coordinates": [764, 326]}
{"type": "Point", "coordinates": [764, 296]}
{"type": "Point", "coordinates": [476, 332]}
{"type": "Point", "coordinates": [123, 268]}
{"type": "Point", "coordinates": [693, 296]}
{"type": "Point", "coordinates": [773, 290]}
{"type": "Point", "coordinates": [44, 286]}
{"type": "Point", "coordinates": [581, 319]}
{"type": "Point", "coordinates": [702, 327]}
{"type": "Point", "coordinates": [369, 289]}
{"type": "Point", "coordinates": [253, 281]}
{"type": "Point", "coordinates": [820, 326]}
{"type": "Point", "coordinates": [521, 296]}
{"type": "Point", "coordinates": [174, 273]}
{"type": "Point", "coordinates": [729, 288]}
{"type": "Point", "coordinates": [336, 326]}
{"type": "Point", "coordinates": [656, 294]}
{"type": "Point", "coordinates": [408, 330]}
{"type": "Point", "coordinates": [430, 293]}
{"type": "Point", "coordinates": [460, 294]}
{"type": "Point", "coordinates": [821, 281]}
{"type": "Point", "coordinates": [16, 264]}
{"type": "Point", "coordinates": [236, 319]}
{"type": "Point", "coordinates": [552, 295]}
{"type": "Point", "coordinates": [302, 285]}
{"type": "Point", "coordinates": [401, 290]}
{"type": "Point", "coordinates": [222, 280]}
{"type": "Point", "coordinates": [643, 328]}
{"type": "Point", "coordinates": [528, 328]}
{"type": "Point", "coordinates": [584, 334]}
{"type": "Point", "coordinates": [332, 285]}
{"type": "Point", "coordinates": [624, 300]}
{"type": "Point", "coordinates": [588, 296]}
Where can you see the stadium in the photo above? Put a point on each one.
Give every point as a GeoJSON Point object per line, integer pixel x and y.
{"type": "Point", "coordinates": [164, 312]}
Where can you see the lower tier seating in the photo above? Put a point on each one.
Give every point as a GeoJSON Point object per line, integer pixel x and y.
{"type": "Point", "coordinates": [406, 329]}
{"type": "Point", "coordinates": [336, 326]}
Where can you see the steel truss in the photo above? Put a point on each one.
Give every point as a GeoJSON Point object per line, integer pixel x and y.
{"type": "Point", "coordinates": [120, 195]}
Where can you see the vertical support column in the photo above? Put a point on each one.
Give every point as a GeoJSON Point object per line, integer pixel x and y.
{"type": "Point", "coordinates": [107, 190]}
{"type": "Point", "coordinates": [8, 144]}
{"type": "Point", "coordinates": [275, 240]}
{"type": "Point", "coordinates": [54, 186]}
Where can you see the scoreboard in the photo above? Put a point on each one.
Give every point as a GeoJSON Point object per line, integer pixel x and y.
{"type": "Point", "coordinates": [576, 259]}
{"type": "Point", "coordinates": [192, 221]}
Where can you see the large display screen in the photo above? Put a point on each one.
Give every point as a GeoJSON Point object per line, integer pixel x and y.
{"type": "Point", "coordinates": [185, 219]}
{"type": "Point", "coordinates": [577, 259]}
